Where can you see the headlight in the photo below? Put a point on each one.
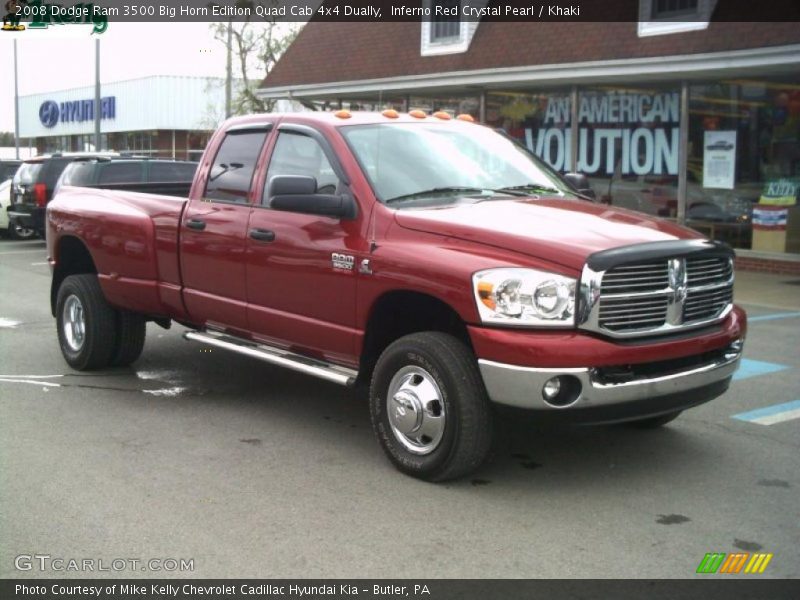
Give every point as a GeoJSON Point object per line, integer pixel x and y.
{"type": "Point", "coordinates": [524, 297]}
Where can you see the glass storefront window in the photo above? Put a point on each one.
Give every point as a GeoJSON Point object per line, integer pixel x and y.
{"type": "Point", "coordinates": [744, 162]}
{"type": "Point", "coordinates": [628, 139]}
{"type": "Point", "coordinates": [455, 105]}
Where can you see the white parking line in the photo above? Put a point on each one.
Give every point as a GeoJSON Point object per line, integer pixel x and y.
{"type": "Point", "coordinates": [39, 264]}
{"type": "Point", "coordinates": [23, 251]}
{"type": "Point", "coordinates": [31, 376]}
{"type": "Point", "coordinates": [44, 383]}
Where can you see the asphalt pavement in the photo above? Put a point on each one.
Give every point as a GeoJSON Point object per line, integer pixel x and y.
{"type": "Point", "coordinates": [244, 470]}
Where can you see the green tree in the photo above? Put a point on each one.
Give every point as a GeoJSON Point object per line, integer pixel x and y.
{"type": "Point", "coordinates": [257, 45]}
{"type": "Point", "coordinates": [6, 138]}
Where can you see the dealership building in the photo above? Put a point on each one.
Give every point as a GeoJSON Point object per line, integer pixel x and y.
{"type": "Point", "coordinates": [685, 114]}
{"type": "Point", "coordinates": [160, 116]}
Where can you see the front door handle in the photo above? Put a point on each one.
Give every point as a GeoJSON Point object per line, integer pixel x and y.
{"type": "Point", "coordinates": [196, 224]}
{"type": "Point", "coordinates": [262, 235]}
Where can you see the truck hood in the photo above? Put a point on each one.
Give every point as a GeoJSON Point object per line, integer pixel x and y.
{"type": "Point", "coordinates": [560, 231]}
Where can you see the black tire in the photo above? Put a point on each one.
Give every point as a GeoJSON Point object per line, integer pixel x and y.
{"type": "Point", "coordinates": [99, 336]}
{"type": "Point", "coordinates": [131, 331]}
{"type": "Point", "coordinates": [654, 422]}
{"type": "Point", "coordinates": [465, 434]}
{"type": "Point", "coordinates": [18, 232]}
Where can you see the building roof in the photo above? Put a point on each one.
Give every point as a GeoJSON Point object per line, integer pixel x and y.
{"type": "Point", "coordinates": [326, 52]}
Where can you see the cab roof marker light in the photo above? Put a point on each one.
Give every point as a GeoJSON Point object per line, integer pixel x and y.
{"type": "Point", "coordinates": [342, 114]}
{"type": "Point", "coordinates": [466, 117]}
{"type": "Point", "coordinates": [440, 114]}
{"type": "Point", "coordinates": [390, 113]}
{"type": "Point", "coordinates": [418, 114]}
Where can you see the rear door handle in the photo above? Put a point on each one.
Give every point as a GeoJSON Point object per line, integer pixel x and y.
{"type": "Point", "coordinates": [196, 224]}
{"type": "Point", "coordinates": [262, 235]}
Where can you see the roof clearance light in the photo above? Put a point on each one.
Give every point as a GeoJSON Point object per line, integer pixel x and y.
{"type": "Point", "coordinates": [390, 113]}
{"type": "Point", "coordinates": [418, 114]}
{"type": "Point", "coordinates": [342, 114]}
{"type": "Point", "coordinates": [466, 117]}
{"type": "Point", "coordinates": [440, 114]}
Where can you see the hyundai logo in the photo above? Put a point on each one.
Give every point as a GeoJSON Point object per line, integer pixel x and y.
{"type": "Point", "coordinates": [48, 113]}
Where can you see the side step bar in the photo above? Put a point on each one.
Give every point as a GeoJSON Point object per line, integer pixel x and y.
{"type": "Point", "coordinates": [276, 356]}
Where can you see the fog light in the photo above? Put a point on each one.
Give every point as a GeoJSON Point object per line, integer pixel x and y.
{"type": "Point", "coordinates": [561, 391]}
{"type": "Point", "coordinates": [551, 388]}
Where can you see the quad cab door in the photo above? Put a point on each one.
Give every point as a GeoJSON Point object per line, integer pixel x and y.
{"type": "Point", "coordinates": [302, 268]}
{"type": "Point", "coordinates": [214, 232]}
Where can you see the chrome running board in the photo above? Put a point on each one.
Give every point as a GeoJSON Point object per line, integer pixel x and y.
{"type": "Point", "coordinates": [276, 356]}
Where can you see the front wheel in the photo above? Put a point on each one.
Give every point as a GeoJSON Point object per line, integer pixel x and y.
{"type": "Point", "coordinates": [429, 407]}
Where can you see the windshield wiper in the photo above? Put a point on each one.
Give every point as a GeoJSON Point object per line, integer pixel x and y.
{"type": "Point", "coordinates": [435, 191]}
{"type": "Point", "coordinates": [536, 187]}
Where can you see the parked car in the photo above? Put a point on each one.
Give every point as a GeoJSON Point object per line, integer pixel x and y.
{"type": "Point", "coordinates": [8, 167]}
{"type": "Point", "coordinates": [9, 227]}
{"type": "Point", "coordinates": [154, 175]}
{"type": "Point", "coordinates": [426, 256]}
{"type": "Point", "coordinates": [33, 184]}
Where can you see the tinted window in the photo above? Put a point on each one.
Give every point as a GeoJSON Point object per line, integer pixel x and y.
{"type": "Point", "coordinates": [120, 172]}
{"type": "Point", "coordinates": [172, 171]}
{"type": "Point", "coordinates": [27, 173]}
{"type": "Point", "coordinates": [77, 173]}
{"type": "Point", "coordinates": [232, 171]}
{"type": "Point", "coordinates": [297, 154]}
{"type": "Point", "coordinates": [53, 168]}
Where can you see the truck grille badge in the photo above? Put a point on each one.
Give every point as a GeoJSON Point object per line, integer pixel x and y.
{"type": "Point", "coordinates": [678, 290]}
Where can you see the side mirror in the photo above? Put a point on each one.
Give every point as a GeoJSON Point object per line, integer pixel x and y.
{"type": "Point", "coordinates": [580, 183]}
{"type": "Point", "coordinates": [285, 185]}
{"type": "Point", "coordinates": [297, 193]}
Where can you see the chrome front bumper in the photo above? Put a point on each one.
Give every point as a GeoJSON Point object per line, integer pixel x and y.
{"type": "Point", "coordinates": [521, 387]}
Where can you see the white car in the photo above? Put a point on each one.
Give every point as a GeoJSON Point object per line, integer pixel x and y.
{"type": "Point", "coordinates": [7, 227]}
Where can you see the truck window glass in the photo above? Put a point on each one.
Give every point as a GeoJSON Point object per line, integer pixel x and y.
{"type": "Point", "coordinates": [120, 172]}
{"type": "Point", "coordinates": [408, 158]}
{"type": "Point", "coordinates": [297, 154]}
{"type": "Point", "coordinates": [232, 171]}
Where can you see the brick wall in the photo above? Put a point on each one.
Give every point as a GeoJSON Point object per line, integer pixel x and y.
{"type": "Point", "coordinates": [768, 265]}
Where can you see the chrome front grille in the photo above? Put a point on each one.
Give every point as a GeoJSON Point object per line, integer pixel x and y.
{"type": "Point", "coordinates": [657, 296]}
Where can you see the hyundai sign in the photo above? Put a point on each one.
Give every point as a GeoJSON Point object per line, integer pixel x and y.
{"type": "Point", "coordinates": [75, 111]}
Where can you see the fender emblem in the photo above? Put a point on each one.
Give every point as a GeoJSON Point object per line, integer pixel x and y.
{"type": "Point", "coordinates": [342, 261]}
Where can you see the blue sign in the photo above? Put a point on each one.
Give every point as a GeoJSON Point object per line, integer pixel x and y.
{"type": "Point", "coordinates": [48, 113]}
{"type": "Point", "coordinates": [76, 111]}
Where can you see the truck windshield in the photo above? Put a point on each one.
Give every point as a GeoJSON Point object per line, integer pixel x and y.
{"type": "Point", "coordinates": [439, 162]}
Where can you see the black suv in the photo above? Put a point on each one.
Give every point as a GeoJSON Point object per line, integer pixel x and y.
{"type": "Point", "coordinates": [137, 174]}
{"type": "Point", "coordinates": [38, 180]}
{"type": "Point", "coordinates": [33, 185]}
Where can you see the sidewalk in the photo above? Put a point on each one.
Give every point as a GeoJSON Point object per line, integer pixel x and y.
{"type": "Point", "coordinates": [767, 289]}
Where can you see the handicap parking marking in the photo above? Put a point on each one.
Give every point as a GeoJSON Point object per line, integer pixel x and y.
{"type": "Point", "coordinates": [772, 317]}
{"type": "Point", "coordinates": [770, 415]}
{"type": "Point", "coordinates": [753, 368]}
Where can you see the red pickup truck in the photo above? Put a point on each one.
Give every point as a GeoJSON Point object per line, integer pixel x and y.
{"type": "Point", "coordinates": [429, 256]}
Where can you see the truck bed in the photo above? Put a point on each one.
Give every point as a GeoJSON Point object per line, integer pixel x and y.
{"type": "Point", "coordinates": [133, 240]}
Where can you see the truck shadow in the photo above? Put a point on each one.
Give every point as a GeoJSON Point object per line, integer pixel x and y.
{"type": "Point", "coordinates": [335, 421]}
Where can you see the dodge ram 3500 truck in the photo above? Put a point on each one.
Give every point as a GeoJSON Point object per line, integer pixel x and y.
{"type": "Point", "coordinates": [426, 255]}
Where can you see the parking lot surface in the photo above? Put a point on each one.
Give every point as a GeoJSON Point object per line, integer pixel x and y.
{"type": "Point", "coordinates": [252, 471]}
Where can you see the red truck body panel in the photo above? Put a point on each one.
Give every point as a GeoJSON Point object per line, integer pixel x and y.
{"type": "Point", "coordinates": [286, 293]}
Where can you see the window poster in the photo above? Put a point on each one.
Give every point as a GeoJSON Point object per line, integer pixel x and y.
{"type": "Point", "coordinates": [719, 159]}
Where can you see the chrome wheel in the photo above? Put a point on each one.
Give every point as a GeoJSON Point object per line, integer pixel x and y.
{"type": "Point", "coordinates": [416, 410]}
{"type": "Point", "coordinates": [74, 323]}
